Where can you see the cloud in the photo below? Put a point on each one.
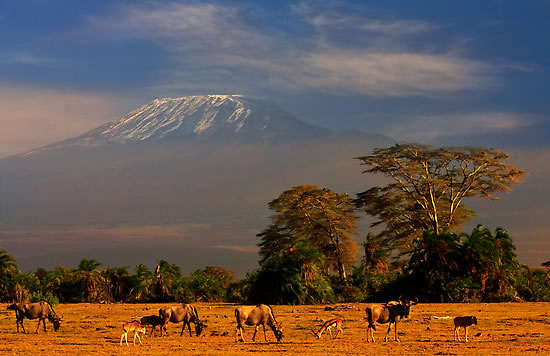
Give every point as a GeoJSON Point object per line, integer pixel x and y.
{"type": "Point", "coordinates": [219, 46]}
{"type": "Point", "coordinates": [36, 117]}
{"type": "Point", "coordinates": [330, 19]}
{"type": "Point", "coordinates": [430, 128]}
{"type": "Point", "coordinates": [24, 58]}
{"type": "Point", "coordinates": [239, 248]}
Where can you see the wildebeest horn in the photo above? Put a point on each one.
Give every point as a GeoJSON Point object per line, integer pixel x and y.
{"type": "Point", "coordinates": [399, 299]}
{"type": "Point", "coordinates": [415, 300]}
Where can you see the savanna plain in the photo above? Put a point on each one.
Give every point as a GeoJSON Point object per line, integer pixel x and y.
{"type": "Point", "coordinates": [95, 329]}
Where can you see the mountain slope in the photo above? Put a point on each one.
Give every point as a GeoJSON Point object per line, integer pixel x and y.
{"type": "Point", "coordinates": [187, 180]}
{"type": "Point", "coordinates": [198, 117]}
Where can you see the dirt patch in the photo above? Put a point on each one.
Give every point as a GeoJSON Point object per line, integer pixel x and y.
{"type": "Point", "coordinates": [95, 329]}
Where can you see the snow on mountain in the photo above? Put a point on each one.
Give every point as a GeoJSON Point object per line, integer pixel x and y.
{"type": "Point", "coordinates": [223, 116]}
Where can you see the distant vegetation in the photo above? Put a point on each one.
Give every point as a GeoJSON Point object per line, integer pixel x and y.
{"type": "Point", "coordinates": [308, 254]}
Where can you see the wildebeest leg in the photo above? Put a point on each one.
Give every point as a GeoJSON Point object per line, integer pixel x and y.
{"type": "Point", "coordinates": [189, 327]}
{"type": "Point", "coordinates": [265, 336]}
{"type": "Point", "coordinates": [255, 331]}
{"type": "Point", "coordinates": [466, 333]}
{"type": "Point", "coordinates": [183, 328]}
{"type": "Point", "coordinates": [387, 332]}
{"type": "Point", "coordinates": [44, 324]}
{"type": "Point", "coordinates": [395, 329]}
{"type": "Point", "coordinates": [457, 335]}
{"type": "Point", "coordinates": [19, 321]}
{"type": "Point", "coordinates": [38, 326]}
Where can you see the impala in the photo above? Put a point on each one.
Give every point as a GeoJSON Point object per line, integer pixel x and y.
{"type": "Point", "coordinates": [327, 326]}
{"type": "Point", "coordinates": [134, 326]}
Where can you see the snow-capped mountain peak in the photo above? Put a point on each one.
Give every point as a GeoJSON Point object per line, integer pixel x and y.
{"type": "Point", "coordinates": [223, 116]}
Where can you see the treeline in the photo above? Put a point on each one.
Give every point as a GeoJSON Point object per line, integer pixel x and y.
{"type": "Point", "coordinates": [476, 267]}
{"type": "Point", "coordinates": [308, 252]}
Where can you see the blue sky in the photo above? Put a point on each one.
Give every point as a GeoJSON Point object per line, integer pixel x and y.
{"type": "Point", "coordinates": [436, 72]}
{"type": "Point", "coordinates": [427, 71]}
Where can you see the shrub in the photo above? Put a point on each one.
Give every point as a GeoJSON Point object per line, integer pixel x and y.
{"type": "Point", "coordinates": [38, 296]}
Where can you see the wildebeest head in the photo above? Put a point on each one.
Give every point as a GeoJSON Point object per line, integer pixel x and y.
{"type": "Point", "coordinates": [56, 321]}
{"type": "Point", "coordinates": [474, 320]}
{"type": "Point", "coordinates": [278, 332]}
{"type": "Point", "coordinates": [407, 304]}
{"type": "Point", "coordinates": [12, 306]}
{"type": "Point", "coordinates": [199, 326]}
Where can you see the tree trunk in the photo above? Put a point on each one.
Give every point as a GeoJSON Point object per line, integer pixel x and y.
{"type": "Point", "coordinates": [342, 270]}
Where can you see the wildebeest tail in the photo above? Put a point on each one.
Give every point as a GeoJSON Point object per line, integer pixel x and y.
{"type": "Point", "coordinates": [370, 318]}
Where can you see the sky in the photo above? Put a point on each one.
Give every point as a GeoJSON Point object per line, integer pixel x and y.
{"type": "Point", "coordinates": [435, 72]}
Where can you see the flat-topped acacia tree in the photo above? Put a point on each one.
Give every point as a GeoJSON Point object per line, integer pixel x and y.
{"type": "Point", "coordinates": [428, 186]}
{"type": "Point", "coordinates": [318, 215]}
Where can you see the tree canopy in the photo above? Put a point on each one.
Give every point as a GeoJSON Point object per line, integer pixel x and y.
{"type": "Point", "coordinates": [428, 186]}
{"type": "Point", "coordinates": [318, 215]}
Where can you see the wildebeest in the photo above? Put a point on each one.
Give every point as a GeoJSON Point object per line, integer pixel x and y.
{"type": "Point", "coordinates": [41, 310]}
{"type": "Point", "coordinates": [256, 316]}
{"type": "Point", "coordinates": [134, 326]}
{"type": "Point", "coordinates": [153, 321]}
{"type": "Point", "coordinates": [328, 325]}
{"type": "Point", "coordinates": [390, 312]}
{"type": "Point", "coordinates": [176, 314]}
{"type": "Point", "coordinates": [464, 322]}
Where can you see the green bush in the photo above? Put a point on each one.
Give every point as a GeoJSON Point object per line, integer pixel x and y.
{"type": "Point", "coordinates": [38, 296]}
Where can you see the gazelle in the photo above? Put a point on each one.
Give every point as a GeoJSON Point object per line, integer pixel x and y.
{"type": "Point", "coordinates": [328, 325]}
{"type": "Point", "coordinates": [134, 326]}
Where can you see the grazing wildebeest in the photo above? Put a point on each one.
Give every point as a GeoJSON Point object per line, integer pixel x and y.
{"type": "Point", "coordinates": [390, 312]}
{"type": "Point", "coordinates": [176, 314]}
{"type": "Point", "coordinates": [153, 321]}
{"type": "Point", "coordinates": [464, 322]}
{"type": "Point", "coordinates": [134, 326]}
{"type": "Point", "coordinates": [41, 310]}
{"type": "Point", "coordinates": [256, 316]}
{"type": "Point", "coordinates": [328, 325]}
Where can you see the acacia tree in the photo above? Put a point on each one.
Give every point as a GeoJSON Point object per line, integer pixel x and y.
{"type": "Point", "coordinates": [428, 186]}
{"type": "Point", "coordinates": [314, 214]}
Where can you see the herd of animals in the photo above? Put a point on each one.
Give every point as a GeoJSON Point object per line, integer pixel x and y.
{"type": "Point", "coordinates": [389, 313]}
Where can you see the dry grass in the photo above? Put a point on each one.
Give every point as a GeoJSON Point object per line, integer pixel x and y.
{"type": "Point", "coordinates": [519, 328]}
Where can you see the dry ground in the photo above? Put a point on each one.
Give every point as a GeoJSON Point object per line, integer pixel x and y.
{"type": "Point", "coordinates": [94, 329]}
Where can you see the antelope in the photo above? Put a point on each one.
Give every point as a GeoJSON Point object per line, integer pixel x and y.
{"type": "Point", "coordinates": [463, 322]}
{"type": "Point", "coordinates": [390, 313]}
{"type": "Point", "coordinates": [256, 316]}
{"type": "Point", "coordinates": [40, 310]}
{"type": "Point", "coordinates": [328, 325]}
{"type": "Point", "coordinates": [134, 326]}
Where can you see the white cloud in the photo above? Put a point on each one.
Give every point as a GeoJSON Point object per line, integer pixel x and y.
{"type": "Point", "coordinates": [215, 45]}
{"type": "Point", "coordinates": [331, 19]}
{"type": "Point", "coordinates": [430, 128]}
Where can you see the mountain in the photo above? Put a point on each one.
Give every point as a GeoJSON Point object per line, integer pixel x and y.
{"type": "Point", "coordinates": [187, 180]}
{"type": "Point", "coordinates": [194, 117]}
